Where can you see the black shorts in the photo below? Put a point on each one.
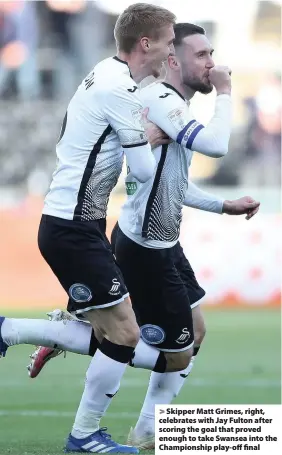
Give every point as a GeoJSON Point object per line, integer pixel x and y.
{"type": "Point", "coordinates": [81, 257]}
{"type": "Point", "coordinates": [158, 282]}
{"type": "Point", "coordinates": [195, 291]}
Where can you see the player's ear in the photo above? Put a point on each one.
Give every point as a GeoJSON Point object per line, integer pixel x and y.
{"type": "Point", "coordinates": [145, 44]}
{"type": "Point", "coordinates": [173, 63]}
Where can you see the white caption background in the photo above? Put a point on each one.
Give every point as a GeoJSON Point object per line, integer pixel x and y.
{"type": "Point", "coordinates": [219, 429]}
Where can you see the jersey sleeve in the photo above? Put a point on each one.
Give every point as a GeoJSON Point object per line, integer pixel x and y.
{"type": "Point", "coordinates": [171, 113]}
{"type": "Point", "coordinates": [199, 199]}
{"type": "Point", "coordinates": [123, 109]}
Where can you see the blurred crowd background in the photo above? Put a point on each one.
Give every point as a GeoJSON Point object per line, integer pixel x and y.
{"type": "Point", "coordinates": [47, 47]}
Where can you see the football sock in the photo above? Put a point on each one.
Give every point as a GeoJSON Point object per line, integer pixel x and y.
{"type": "Point", "coordinates": [73, 336]}
{"type": "Point", "coordinates": [102, 383]}
{"type": "Point", "coordinates": [162, 389]}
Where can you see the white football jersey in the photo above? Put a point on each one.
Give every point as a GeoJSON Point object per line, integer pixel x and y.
{"type": "Point", "coordinates": [102, 118]}
{"type": "Point", "coordinates": [152, 213]}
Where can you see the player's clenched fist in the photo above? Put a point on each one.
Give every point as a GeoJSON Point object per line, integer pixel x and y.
{"type": "Point", "coordinates": [220, 77]}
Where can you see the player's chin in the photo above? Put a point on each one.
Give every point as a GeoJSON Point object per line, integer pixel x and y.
{"type": "Point", "coordinates": [206, 89]}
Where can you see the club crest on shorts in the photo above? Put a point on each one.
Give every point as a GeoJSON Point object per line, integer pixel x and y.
{"type": "Point", "coordinates": [115, 287]}
{"type": "Point", "coordinates": [80, 293]}
{"type": "Point", "coordinates": [152, 334]}
{"type": "Point", "coordinates": [184, 337]}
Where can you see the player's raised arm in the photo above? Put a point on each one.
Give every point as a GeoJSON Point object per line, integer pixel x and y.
{"type": "Point", "coordinates": [170, 112]}
{"type": "Point", "coordinates": [123, 110]}
{"type": "Point", "coordinates": [215, 136]}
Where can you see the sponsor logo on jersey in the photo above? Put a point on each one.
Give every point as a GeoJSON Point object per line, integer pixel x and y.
{"type": "Point", "coordinates": [184, 337]}
{"type": "Point", "coordinates": [131, 188]}
{"type": "Point", "coordinates": [152, 334]}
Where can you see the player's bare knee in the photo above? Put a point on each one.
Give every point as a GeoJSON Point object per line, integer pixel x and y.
{"type": "Point", "coordinates": [178, 361]}
{"type": "Point", "coordinates": [199, 335]}
{"type": "Point", "coordinates": [129, 334]}
{"type": "Point", "coordinates": [117, 324]}
{"type": "Point", "coordinates": [126, 332]}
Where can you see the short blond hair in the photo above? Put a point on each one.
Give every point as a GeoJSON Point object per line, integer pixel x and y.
{"type": "Point", "coordinates": [138, 20]}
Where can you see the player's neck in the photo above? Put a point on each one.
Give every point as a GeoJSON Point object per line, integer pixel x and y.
{"type": "Point", "coordinates": [136, 65]}
{"type": "Point", "coordinates": [183, 89]}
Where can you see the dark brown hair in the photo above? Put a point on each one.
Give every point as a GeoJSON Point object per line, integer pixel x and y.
{"type": "Point", "coordinates": [185, 29]}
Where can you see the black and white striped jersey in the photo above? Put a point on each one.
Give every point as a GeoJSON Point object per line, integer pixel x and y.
{"type": "Point", "coordinates": [152, 213]}
{"type": "Point", "coordinates": [102, 121]}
